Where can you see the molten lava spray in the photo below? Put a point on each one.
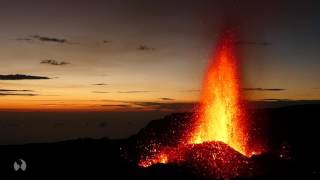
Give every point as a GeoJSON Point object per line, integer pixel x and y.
{"type": "Point", "coordinates": [215, 142]}
{"type": "Point", "coordinates": [222, 117]}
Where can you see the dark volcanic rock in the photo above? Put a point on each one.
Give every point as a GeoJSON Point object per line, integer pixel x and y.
{"type": "Point", "coordinates": [291, 133]}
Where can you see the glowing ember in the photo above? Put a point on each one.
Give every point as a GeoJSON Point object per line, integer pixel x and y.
{"type": "Point", "coordinates": [211, 159]}
{"type": "Point", "coordinates": [216, 142]}
{"type": "Point", "coordinates": [221, 116]}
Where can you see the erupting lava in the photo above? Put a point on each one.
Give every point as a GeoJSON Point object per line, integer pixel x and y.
{"type": "Point", "coordinates": [222, 117]}
{"type": "Point", "coordinates": [216, 140]}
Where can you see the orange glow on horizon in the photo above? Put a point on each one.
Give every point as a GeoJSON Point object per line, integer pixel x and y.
{"type": "Point", "coordinates": [86, 106]}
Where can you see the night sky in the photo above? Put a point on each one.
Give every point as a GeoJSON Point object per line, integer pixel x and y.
{"type": "Point", "coordinates": [139, 55]}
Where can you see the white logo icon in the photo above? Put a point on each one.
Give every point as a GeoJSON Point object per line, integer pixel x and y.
{"type": "Point", "coordinates": [20, 164]}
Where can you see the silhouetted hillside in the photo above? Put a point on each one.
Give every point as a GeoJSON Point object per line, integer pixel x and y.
{"type": "Point", "coordinates": [291, 134]}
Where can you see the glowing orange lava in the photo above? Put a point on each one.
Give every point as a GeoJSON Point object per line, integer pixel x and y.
{"type": "Point", "coordinates": [215, 142]}
{"type": "Point", "coordinates": [222, 117]}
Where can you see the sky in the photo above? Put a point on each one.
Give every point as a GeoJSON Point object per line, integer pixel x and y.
{"type": "Point", "coordinates": [139, 55]}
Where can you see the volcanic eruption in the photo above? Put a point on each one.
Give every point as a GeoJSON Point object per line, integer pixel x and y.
{"type": "Point", "coordinates": [215, 142]}
{"type": "Point", "coordinates": [222, 116]}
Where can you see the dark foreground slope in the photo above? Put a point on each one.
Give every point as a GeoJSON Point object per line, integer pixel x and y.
{"type": "Point", "coordinates": [291, 134]}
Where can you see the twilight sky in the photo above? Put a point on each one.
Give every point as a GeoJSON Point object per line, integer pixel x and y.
{"type": "Point", "coordinates": [139, 55]}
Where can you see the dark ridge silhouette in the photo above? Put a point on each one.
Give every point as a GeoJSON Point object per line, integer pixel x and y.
{"type": "Point", "coordinates": [291, 134]}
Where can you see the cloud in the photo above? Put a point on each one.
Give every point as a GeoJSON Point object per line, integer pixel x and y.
{"type": "Point", "coordinates": [133, 92]}
{"type": "Point", "coordinates": [167, 99]}
{"type": "Point", "coordinates": [274, 99]}
{"type": "Point", "coordinates": [100, 84]}
{"type": "Point", "coordinates": [264, 89]}
{"type": "Point", "coordinates": [276, 103]}
{"type": "Point", "coordinates": [54, 62]}
{"type": "Point", "coordinates": [101, 92]}
{"type": "Point", "coordinates": [257, 43]}
{"type": "Point", "coordinates": [50, 39]}
{"type": "Point", "coordinates": [145, 48]}
{"type": "Point", "coordinates": [147, 104]}
{"type": "Point", "coordinates": [17, 94]}
{"type": "Point", "coordinates": [24, 39]}
{"type": "Point", "coordinates": [291, 101]}
{"type": "Point", "coordinates": [15, 90]}
{"type": "Point", "coordinates": [21, 77]}
{"type": "Point", "coordinates": [117, 105]}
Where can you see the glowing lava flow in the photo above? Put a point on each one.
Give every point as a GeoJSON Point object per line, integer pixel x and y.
{"type": "Point", "coordinates": [222, 117]}
{"type": "Point", "coordinates": [216, 141]}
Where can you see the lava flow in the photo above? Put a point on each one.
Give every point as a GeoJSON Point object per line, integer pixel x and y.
{"type": "Point", "coordinates": [216, 140]}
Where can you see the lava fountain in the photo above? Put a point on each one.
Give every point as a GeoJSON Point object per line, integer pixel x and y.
{"type": "Point", "coordinates": [216, 139]}
{"type": "Point", "coordinates": [222, 116]}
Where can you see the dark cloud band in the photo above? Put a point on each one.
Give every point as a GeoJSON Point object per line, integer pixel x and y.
{"type": "Point", "coordinates": [100, 84]}
{"type": "Point", "coordinates": [54, 62]}
{"type": "Point", "coordinates": [15, 90]}
{"type": "Point", "coordinates": [264, 89]}
{"type": "Point", "coordinates": [17, 94]}
{"type": "Point", "coordinates": [21, 77]}
{"type": "Point", "coordinates": [167, 99]}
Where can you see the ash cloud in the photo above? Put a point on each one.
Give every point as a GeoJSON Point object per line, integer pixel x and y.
{"type": "Point", "coordinates": [264, 89]}
{"type": "Point", "coordinates": [54, 62]}
{"type": "Point", "coordinates": [21, 77]}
